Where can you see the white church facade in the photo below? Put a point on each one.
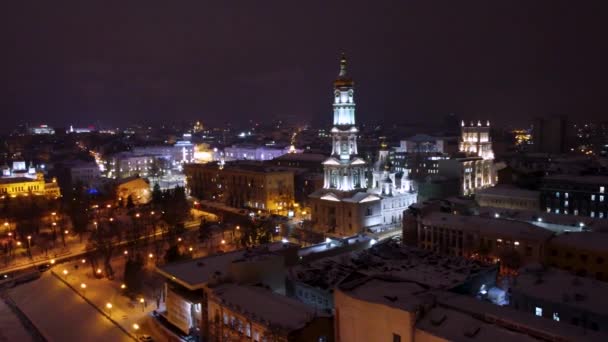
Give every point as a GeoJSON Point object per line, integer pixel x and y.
{"type": "Point", "coordinates": [345, 205]}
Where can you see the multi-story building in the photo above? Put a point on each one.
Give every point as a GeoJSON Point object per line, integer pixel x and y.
{"type": "Point", "coordinates": [189, 285]}
{"type": "Point", "coordinates": [344, 206]}
{"type": "Point", "coordinates": [242, 184]}
{"type": "Point", "coordinates": [552, 135]}
{"type": "Point", "coordinates": [314, 281]}
{"type": "Point", "coordinates": [563, 297]}
{"type": "Point", "coordinates": [575, 195]}
{"type": "Point", "coordinates": [582, 253]}
{"type": "Point", "coordinates": [21, 180]}
{"type": "Point", "coordinates": [473, 172]}
{"type": "Point", "coordinates": [488, 238]}
{"type": "Point", "coordinates": [128, 164]}
{"type": "Point", "coordinates": [253, 152]}
{"type": "Point", "coordinates": [253, 313]}
{"type": "Point", "coordinates": [393, 309]}
{"type": "Point", "coordinates": [508, 197]}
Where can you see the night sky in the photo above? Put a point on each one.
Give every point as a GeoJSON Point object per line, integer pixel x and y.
{"type": "Point", "coordinates": [120, 62]}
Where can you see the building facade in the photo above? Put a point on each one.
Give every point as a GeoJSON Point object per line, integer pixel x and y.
{"type": "Point", "coordinates": [508, 198]}
{"type": "Point", "coordinates": [575, 195]}
{"type": "Point", "coordinates": [242, 185]}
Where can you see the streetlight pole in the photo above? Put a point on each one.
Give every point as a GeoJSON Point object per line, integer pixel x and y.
{"type": "Point", "coordinates": [29, 245]}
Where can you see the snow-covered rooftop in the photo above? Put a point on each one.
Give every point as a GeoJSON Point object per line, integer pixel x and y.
{"type": "Point", "coordinates": [488, 226]}
{"type": "Point", "coordinates": [590, 241]}
{"type": "Point", "coordinates": [589, 179]}
{"type": "Point", "coordinates": [557, 286]}
{"type": "Point", "coordinates": [509, 191]}
{"type": "Point", "coordinates": [509, 317]}
{"type": "Point", "coordinates": [389, 259]}
{"type": "Point", "coordinates": [453, 325]}
{"type": "Point", "coordinates": [264, 306]}
{"type": "Point", "coordinates": [395, 293]}
{"type": "Point", "coordinates": [195, 273]}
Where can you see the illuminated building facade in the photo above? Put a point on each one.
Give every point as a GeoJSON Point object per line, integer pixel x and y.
{"type": "Point", "coordinates": [344, 206]}
{"type": "Point", "coordinates": [26, 186]}
{"type": "Point", "coordinates": [242, 185]}
{"type": "Point", "coordinates": [475, 139]}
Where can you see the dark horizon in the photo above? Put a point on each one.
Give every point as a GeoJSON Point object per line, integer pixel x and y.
{"type": "Point", "coordinates": [71, 62]}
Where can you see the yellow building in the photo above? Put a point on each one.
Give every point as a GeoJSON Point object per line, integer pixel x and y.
{"type": "Point", "coordinates": [25, 186]}
{"type": "Point", "coordinates": [136, 188]}
{"type": "Point", "coordinates": [242, 184]}
{"type": "Point", "coordinates": [583, 253]}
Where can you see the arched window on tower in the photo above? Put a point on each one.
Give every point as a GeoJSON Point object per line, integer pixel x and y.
{"type": "Point", "coordinates": [333, 181]}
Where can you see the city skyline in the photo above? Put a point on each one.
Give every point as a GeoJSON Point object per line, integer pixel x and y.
{"type": "Point", "coordinates": [88, 63]}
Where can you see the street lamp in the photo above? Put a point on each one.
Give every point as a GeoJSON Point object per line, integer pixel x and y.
{"type": "Point", "coordinates": [109, 306]}
{"type": "Point", "coordinates": [29, 244]}
{"type": "Point", "coordinates": [136, 328]}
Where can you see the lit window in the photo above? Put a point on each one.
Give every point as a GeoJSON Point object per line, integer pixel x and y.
{"type": "Point", "coordinates": [556, 316]}
{"type": "Point", "coordinates": [538, 311]}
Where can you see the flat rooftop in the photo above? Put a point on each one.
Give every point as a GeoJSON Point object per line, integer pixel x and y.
{"type": "Point", "coordinates": [262, 305]}
{"type": "Point", "coordinates": [389, 258]}
{"type": "Point", "coordinates": [546, 218]}
{"type": "Point", "coordinates": [509, 192]}
{"type": "Point", "coordinates": [196, 273]}
{"type": "Point", "coordinates": [453, 325]}
{"type": "Point", "coordinates": [556, 286]}
{"type": "Point", "coordinates": [395, 293]}
{"type": "Point", "coordinates": [591, 241]}
{"type": "Point", "coordinates": [509, 317]}
{"type": "Point", "coordinates": [491, 226]}
{"type": "Point", "coordinates": [590, 179]}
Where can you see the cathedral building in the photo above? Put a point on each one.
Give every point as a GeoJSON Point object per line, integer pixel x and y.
{"type": "Point", "coordinates": [349, 203]}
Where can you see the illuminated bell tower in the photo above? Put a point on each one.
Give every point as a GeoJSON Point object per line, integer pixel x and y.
{"type": "Point", "coordinates": [344, 170]}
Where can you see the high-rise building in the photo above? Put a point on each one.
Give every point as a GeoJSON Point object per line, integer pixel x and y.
{"type": "Point", "coordinates": [475, 139]}
{"type": "Point", "coordinates": [344, 206]}
{"type": "Point", "coordinates": [551, 135]}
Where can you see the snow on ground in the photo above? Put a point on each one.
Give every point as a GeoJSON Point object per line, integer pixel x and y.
{"type": "Point", "coordinates": [11, 328]}
{"type": "Point", "coordinates": [62, 315]}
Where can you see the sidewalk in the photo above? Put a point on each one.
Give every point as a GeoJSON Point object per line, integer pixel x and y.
{"type": "Point", "coordinates": [73, 248]}
{"type": "Point", "coordinates": [100, 292]}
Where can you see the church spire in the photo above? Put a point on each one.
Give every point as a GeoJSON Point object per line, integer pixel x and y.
{"type": "Point", "coordinates": [342, 66]}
